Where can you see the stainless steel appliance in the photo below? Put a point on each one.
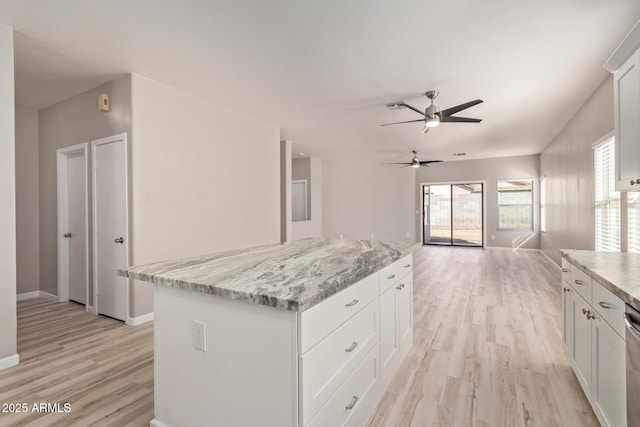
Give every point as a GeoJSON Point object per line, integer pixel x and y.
{"type": "Point", "coordinates": [632, 321]}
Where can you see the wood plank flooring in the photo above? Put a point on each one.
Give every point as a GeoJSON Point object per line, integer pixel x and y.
{"type": "Point", "coordinates": [487, 352]}
{"type": "Point", "coordinates": [100, 366]}
{"type": "Point", "coordinates": [487, 345]}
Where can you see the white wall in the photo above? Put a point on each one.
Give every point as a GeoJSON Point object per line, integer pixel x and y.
{"type": "Point", "coordinates": [311, 170]}
{"type": "Point", "coordinates": [361, 197]}
{"type": "Point", "coordinates": [27, 202]}
{"type": "Point", "coordinates": [567, 163]}
{"type": "Point", "coordinates": [490, 170]}
{"type": "Point", "coordinates": [204, 179]}
{"type": "Point", "coordinates": [70, 122]}
{"type": "Point", "coordinates": [8, 346]}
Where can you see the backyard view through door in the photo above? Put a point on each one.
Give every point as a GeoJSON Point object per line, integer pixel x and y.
{"type": "Point", "coordinates": [452, 214]}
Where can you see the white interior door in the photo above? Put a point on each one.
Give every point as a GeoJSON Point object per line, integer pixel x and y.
{"type": "Point", "coordinates": [76, 226]}
{"type": "Point", "coordinates": [73, 275]}
{"type": "Point", "coordinates": [110, 225]}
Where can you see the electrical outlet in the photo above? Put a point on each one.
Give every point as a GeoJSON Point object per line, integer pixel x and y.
{"type": "Point", "coordinates": [199, 335]}
{"type": "Point", "coordinates": [493, 237]}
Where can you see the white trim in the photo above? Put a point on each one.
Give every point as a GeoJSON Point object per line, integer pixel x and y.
{"type": "Point", "coordinates": [157, 423]}
{"type": "Point", "coordinates": [91, 309]}
{"type": "Point", "coordinates": [602, 139]}
{"type": "Point", "coordinates": [549, 258]}
{"type": "Point", "coordinates": [9, 361]}
{"type": "Point", "coordinates": [306, 199]}
{"type": "Point", "coordinates": [484, 206]}
{"type": "Point", "coordinates": [37, 294]}
{"type": "Point", "coordinates": [63, 215]}
{"type": "Point", "coordinates": [139, 320]}
{"type": "Point", "coordinates": [101, 141]}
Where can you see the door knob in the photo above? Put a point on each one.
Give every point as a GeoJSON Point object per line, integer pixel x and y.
{"type": "Point", "coordinates": [119, 240]}
{"type": "Point", "coordinates": [67, 235]}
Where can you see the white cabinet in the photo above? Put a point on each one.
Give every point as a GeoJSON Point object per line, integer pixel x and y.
{"type": "Point", "coordinates": [581, 341]}
{"type": "Point", "coordinates": [608, 374]}
{"type": "Point", "coordinates": [626, 80]}
{"type": "Point", "coordinates": [591, 329]}
{"type": "Point", "coordinates": [396, 326]}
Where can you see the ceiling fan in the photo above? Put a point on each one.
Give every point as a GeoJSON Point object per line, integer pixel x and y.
{"type": "Point", "coordinates": [416, 163]}
{"type": "Point", "coordinates": [432, 116]}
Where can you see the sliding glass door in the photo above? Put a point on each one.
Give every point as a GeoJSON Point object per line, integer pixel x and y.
{"type": "Point", "coordinates": [453, 214]}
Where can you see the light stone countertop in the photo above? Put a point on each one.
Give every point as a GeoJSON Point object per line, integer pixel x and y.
{"type": "Point", "coordinates": [618, 272]}
{"type": "Point", "coordinates": [292, 276]}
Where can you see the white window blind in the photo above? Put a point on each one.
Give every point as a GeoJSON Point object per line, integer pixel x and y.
{"type": "Point", "coordinates": [634, 221]}
{"type": "Point", "coordinates": [607, 199]}
{"type": "Point", "coordinates": [543, 204]}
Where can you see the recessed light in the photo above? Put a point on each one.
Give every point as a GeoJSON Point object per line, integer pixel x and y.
{"type": "Point", "coordinates": [300, 154]}
{"type": "Point", "coordinates": [459, 154]}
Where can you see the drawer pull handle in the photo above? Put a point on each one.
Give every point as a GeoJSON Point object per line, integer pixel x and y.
{"type": "Point", "coordinates": [407, 266]}
{"type": "Point", "coordinates": [351, 347]}
{"type": "Point", "coordinates": [584, 311]}
{"type": "Point", "coordinates": [590, 316]}
{"type": "Point", "coordinates": [605, 305]}
{"type": "Point", "coordinates": [566, 289]}
{"type": "Point", "coordinates": [352, 303]}
{"type": "Point", "coordinates": [579, 282]}
{"type": "Point", "coordinates": [391, 277]}
{"type": "Point", "coordinates": [565, 270]}
{"type": "Point", "coordinates": [352, 403]}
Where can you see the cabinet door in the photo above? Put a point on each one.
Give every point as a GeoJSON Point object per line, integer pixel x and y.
{"type": "Point", "coordinates": [566, 316]}
{"type": "Point", "coordinates": [581, 342]}
{"type": "Point", "coordinates": [405, 311]}
{"type": "Point", "coordinates": [608, 375]}
{"type": "Point", "coordinates": [388, 331]}
{"type": "Point", "coordinates": [626, 82]}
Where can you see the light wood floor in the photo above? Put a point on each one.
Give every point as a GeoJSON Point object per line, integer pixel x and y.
{"type": "Point", "coordinates": [487, 345]}
{"type": "Point", "coordinates": [101, 366]}
{"type": "Point", "coordinates": [487, 352]}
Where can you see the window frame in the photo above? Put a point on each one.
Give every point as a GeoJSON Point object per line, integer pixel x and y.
{"type": "Point", "coordinates": [543, 204]}
{"type": "Point", "coordinates": [498, 204]}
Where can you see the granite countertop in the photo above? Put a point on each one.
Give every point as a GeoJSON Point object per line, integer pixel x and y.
{"type": "Point", "coordinates": [292, 276]}
{"type": "Point", "coordinates": [618, 272]}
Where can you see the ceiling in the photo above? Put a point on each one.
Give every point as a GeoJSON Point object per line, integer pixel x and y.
{"type": "Point", "coordinates": [324, 70]}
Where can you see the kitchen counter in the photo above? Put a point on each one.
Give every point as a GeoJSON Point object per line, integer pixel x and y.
{"type": "Point", "coordinates": [293, 276]}
{"type": "Point", "coordinates": [618, 272]}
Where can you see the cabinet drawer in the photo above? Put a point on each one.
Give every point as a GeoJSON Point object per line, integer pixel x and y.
{"type": "Point", "coordinates": [566, 270]}
{"type": "Point", "coordinates": [581, 282]}
{"type": "Point", "coordinates": [325, 367]}
{"type": "Point", "coordinates": [389, 276]}
{"type": "Point", "coordinates": [353, 403]}
{"type": "Point", "coordinates": [320, 320]}
{"type": "Point", "coordinates": [405, 265]}
{"type": "Point", "coordinates": [610, 307]}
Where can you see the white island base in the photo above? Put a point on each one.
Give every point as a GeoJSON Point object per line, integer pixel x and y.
{"type": "Point", "coordinates": [263, 366]}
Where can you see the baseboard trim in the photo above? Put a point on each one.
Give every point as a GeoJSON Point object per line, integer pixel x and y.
{"type": "Point", "coordinates": [36, 294]}
{"type": "Point", "coordinates": [91, 309]}
{"type": "Point", "coordinates": [139, 320]}
{"type": "Point", "coordinates": [550, 259]}
{"type": "Point", "coordinates": [9, 361]}
{"type": "Point", "coordinates": [157, 423]}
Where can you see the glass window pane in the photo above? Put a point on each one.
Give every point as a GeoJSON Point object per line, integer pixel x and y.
{"type": "Point", "coordinates": [515, 204]}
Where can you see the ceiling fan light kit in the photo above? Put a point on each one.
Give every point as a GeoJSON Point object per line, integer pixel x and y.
{"type": "Point", "coordinates": [433, 116]}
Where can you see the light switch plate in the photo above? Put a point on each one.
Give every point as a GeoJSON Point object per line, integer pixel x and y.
{"type": "Point", "coordinates": [199, 335]}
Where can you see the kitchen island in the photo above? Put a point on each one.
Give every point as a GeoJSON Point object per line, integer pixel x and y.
{"type": "Point", "coordinates": [307, 333]}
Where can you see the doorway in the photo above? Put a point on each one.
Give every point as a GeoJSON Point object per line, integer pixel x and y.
{"type": "Point", "coordinates": [453, 214]}
{"type": "Point", "coordinates": [73, 224]}
{"type": "Point", "coordinates": [110, 225]}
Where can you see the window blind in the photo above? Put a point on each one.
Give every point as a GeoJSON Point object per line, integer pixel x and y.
{"type": "Point", "coordinates": [634, 221]}
{"type": "Point", "coordinates": [607, 199]}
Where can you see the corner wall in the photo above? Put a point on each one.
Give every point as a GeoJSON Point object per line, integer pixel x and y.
{"type": "Point", "coordinates": [8, 346]}
{"type": "Point", "coordinates": [27, 202]}
{"type": "Point", "coordinates": [490, 170]}
{"type": "Point", "coordinates": [567, 163]}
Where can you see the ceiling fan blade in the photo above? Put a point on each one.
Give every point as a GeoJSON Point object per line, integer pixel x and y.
{"type": "Point", "coordinates": [427, 162]}
{"type": "Point", "coordinates": [426, 129]}
{"type": "Point", "coordinates": [449, 111]}
{"type": "Point", "coordinates": [399, 123]}
{"type": "Point", "coordinates": [454, 119]}
{"type": "Point", "coordinates": [411, 108]}
{"type": "Point", "coordinates": [400, 164]}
